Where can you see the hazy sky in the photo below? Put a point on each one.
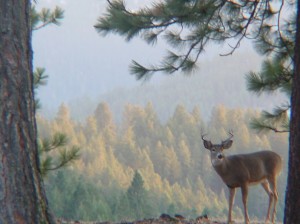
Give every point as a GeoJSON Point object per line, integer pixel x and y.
{"type": "Point", "coordinates": [81, 63]}
{"type": "Point", "coordinates": [78, 60]}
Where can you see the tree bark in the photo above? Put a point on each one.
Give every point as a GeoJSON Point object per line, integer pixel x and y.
{"type": "Point", "coordinates": [22, 195]}
{"type": "Point", "coordinates": [292, 201]}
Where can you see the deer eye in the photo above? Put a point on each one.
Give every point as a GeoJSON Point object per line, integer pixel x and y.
{"type": "Point", "coordinates": [213, 150]}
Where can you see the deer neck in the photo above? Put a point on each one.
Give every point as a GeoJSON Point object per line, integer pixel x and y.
{"type": "Point", "coordinates": [221, 167]}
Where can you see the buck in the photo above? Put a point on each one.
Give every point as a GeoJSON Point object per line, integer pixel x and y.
{"type": "Point", "coordinates": [243, 170]}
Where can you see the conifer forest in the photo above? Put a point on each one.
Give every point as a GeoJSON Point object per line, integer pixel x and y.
{"type": "Point", "coordinates": [141, 167]}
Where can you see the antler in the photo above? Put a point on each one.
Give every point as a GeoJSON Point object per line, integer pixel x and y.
{"type": "Point", "coordinates": [228, 142]}
{"type": "Point", "coordinates": [202, 136]}
{"type": "Point", "coordinates": [230, 132]}
{"type": "Point", "coordinates": [207, 144]}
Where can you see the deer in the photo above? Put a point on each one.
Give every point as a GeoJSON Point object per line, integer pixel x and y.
{"type": "Point", "coordinates": [243, 170]}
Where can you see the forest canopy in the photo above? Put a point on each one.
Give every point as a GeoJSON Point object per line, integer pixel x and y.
{"type": "Point", "coordinates": [164, 161]}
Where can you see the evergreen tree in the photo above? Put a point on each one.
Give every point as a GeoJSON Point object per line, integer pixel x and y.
{"type": "Point", "coordinates": [103, 116]}
{"type": "Point", "coordinates": [122, 209]}
{"type": "Point", "coordinates": [189, 26]}
{"type": "Point", "coordinates": [183, 124]}
{"type": "Point", "coordinates": [76, 197]}
{"type": "Point", "coordinates": [138, 197]}
{"type": "Point", "coordinates": [144, 123]}
{"type": "Point", "coordinates": [25, 200]}
{"type": "Point", "coordinates": [90, 128]}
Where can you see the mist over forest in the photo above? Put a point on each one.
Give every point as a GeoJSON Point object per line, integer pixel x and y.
{"type": "Point", "coordinates": [216, 82]}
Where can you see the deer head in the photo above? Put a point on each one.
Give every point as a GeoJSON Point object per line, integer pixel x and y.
{"type": "Point", "coordinates": [216, 150]}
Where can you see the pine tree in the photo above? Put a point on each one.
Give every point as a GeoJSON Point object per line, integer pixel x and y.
{"type": "Point", "coordinates": [23, 197]}
{"type": "Point", "coordinates": [104, 117]}
{"type": "Point", "coordinates": [138, 197]}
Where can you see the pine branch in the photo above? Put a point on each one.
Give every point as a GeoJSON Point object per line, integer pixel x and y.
{"type": "Point", "coordinates": [262, 126]}
{"type": "Point", "coordinates": [45, 17]}
{"type": "Point", "coordinates": [201, 21]}
{"type": "Point", "coordinates": [57, 141]}
{"type": "Point", "coordinates": [276, 121]}
{"type": "Point", "coordinates": [243, 31]}
{"type": "Point", "coordinates": [44, 166]}
{"type": "Point", "coordinates": [129, 24]}
{"type": "Point", "coordinates": [279, 114]}
{"type": "Point", "coordinates": [188, 26]}
{"type": "Point", "coordinates": [274, 75]}
{"type": "Point", "coordinates": [124, 22]}
{"type": "Point", "coordinates": [285, 44]}
{"type": "Point", "coordinates": [51, 162]}
{"type": "Point", "coordinates": [143, 73]}
{"type": "Point", "coordinates": [37, 104]}
{"type": "Point", "coordinates": [65, 158]}
{"type": "Point", "coordinates": [39, 77]}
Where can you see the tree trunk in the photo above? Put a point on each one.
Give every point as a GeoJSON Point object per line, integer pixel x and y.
{"type": "Point", "coordinates": [22, 195]}
{"type": "Point", "coordinates": [292, 201]}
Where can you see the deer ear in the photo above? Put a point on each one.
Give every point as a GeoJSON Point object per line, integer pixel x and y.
{"type": "Point", "coordinates": [227, 144]}
{"type": "Point", "coordinates": [207, 144]}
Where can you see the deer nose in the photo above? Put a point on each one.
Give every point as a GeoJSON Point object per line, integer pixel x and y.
{"type": "Point", "coordinates": [220, 156]}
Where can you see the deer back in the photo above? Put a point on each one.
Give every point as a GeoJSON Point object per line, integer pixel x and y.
{"type": "Point", "coordinates": [250, 168]}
